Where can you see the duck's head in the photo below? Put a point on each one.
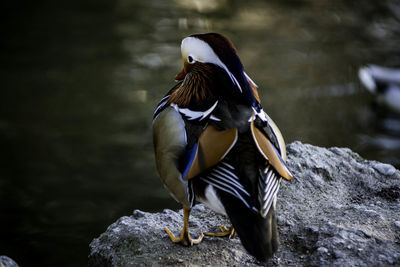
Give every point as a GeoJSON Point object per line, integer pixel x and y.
{"type": "Point", "coordinates": [217, 50]}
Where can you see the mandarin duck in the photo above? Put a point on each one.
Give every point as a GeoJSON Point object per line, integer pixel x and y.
{"type": "Point", "coordinates": [215, 144]}
{"type": "Point", "coordinates": [384, 83]}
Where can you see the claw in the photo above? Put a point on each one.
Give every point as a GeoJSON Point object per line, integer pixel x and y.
{"type": "Point", "coordinates": [184, 236]}
{"type": "Point", "coordinates": [224, 232]}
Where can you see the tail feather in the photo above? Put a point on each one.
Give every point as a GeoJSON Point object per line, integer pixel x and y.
{"type": "Point", "coordinates": [259, 235]}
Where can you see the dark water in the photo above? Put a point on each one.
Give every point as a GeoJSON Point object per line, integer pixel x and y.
{"type": "Point", "coordinates": [80, 79]}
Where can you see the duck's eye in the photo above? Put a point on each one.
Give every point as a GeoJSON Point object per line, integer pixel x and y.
{"type": "Point", "coordinates": [190, 59]}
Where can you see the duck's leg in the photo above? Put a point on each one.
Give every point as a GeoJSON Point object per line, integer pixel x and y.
{"type": "Point", "coordinates": [184, 237]}
{"type": "Point", "coordinates": [224, 232]}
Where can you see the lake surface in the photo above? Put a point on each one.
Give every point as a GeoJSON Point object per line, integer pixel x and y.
{"type": "Point", "coordinates": [80, 80]}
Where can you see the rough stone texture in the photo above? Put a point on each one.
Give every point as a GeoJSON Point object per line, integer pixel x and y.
{"type": "Point", "coordinates": [341, 210]}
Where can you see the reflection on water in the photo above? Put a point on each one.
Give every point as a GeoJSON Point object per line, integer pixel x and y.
{"type": "Point", "coordinates": [384, 140]}
{"type": "Point", "coordinates": [80, 80]}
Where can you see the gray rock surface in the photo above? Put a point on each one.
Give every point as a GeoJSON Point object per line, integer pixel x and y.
{"type": "Point", "coordinates": [341, 210]}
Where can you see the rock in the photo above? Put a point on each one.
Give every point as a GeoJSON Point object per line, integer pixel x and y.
{"type": "Point", "coordinates": [322, 250]}
{"type": "Point", "coordinates": [385, 169]}
{"type": "Point", "coordinates": [7, 262]}
{"type": "Point", "coordinates": [341, 210]}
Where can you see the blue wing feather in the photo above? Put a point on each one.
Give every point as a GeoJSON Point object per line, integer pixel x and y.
{"type": "Point", "coordinates": [188, 158]}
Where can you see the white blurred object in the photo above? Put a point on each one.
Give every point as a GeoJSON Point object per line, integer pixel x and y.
{"type": "Point", "coordinates": [384, 83]}
{"type": "Point", "coordinates": [7, 262]}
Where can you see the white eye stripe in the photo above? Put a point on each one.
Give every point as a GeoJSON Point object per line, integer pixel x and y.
{"type": "Point", "coordinates": [202, 52]}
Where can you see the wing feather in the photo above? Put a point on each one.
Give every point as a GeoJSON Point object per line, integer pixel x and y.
{"type": "Point", "coordinates": [224, 177]}
{"type": "Point", "coordinates": [212, 147]}
{"type": "Point", "coordinates": [268, 150]}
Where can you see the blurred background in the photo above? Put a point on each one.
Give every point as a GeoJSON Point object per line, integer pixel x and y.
{"type": "Point", "coordinates": [80, 81]}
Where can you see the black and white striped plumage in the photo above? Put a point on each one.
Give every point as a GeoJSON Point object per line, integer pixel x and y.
{"type": "Point", "coordinates": [215, 144]}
